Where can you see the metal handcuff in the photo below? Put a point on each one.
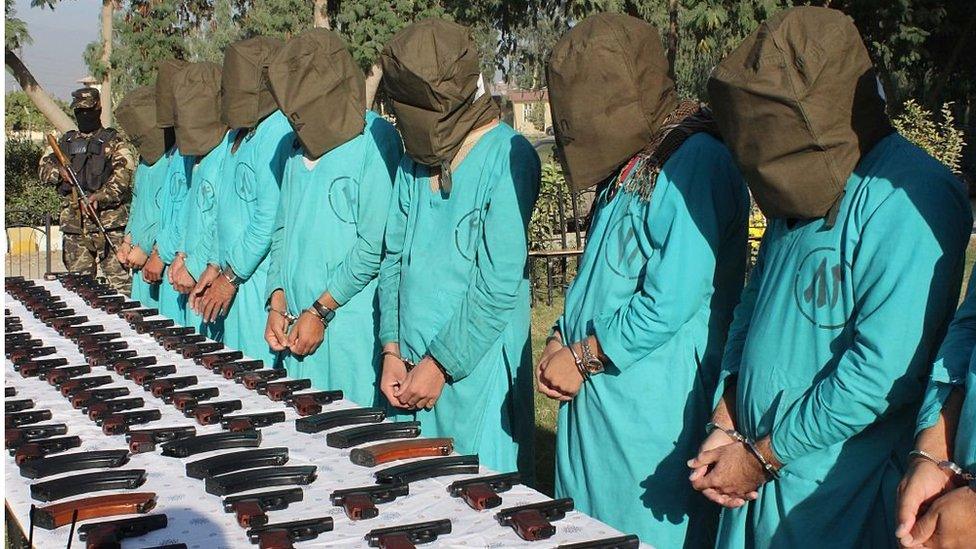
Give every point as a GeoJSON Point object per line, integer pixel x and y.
{"type": "Point", "coordinates": [771, 471]}
{"type": "Point", "coordinates": [950, 466]}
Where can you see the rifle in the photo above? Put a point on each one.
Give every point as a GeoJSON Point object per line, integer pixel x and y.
{"type": "Point", "coordinates": [73, 179]}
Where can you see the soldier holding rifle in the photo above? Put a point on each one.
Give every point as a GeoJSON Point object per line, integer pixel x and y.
{"type": "Point", "coordinates": [103, 164]}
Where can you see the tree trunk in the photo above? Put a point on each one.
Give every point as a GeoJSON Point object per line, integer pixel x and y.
{"type": "Point", "coordinates": [672, 34]}
{"type": "Point", "coordinates": [373, 83]}
{"type": "Point", "coordinates": [36, 93]}
{"type": "Point", "coordinates": [320, 15]}
{"type": "Point", "coordinates": [108, 7]}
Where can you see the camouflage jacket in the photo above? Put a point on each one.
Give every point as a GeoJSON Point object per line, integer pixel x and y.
{"type": "Point", "coordinates": [112, 198]}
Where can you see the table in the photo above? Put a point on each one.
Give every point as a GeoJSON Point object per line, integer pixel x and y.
{"type": "Point", "coordinates": [197, 519]}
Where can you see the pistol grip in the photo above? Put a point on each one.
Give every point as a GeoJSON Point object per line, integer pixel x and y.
{"type": "Point", "coordinates": [307, 407]}
{"type": "Point", "coordinates": [240, 424]}
{"type": "Point", "coordinates": [480, 497]}
{"type": "Point", "coordinates": [396, 541]}
{"type": "Point", "coordinates": [277, 394]}
{"type": "Point", "coordinates": [141, 442]}
{"type": "Point", "coordinates": [27, 452]}
{"type": "Point", "coordinates": [275, 539]}
{"type": "Point", "coordinates": [359, 507]}
{"type": "Point", "coordinates": [206, 415]}
{"type": "Point", "coordinates": [530, 525]}
{"type": "Point", "coordinates": [250, 513]}
{"type": "Point", "coordinates": [114, 425]}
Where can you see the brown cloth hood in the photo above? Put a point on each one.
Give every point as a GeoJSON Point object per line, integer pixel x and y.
{"type": "Point", "coordinates": [198, 125]}
{"type": "Point", "coordinates": [165, 100]}
{"type": "Point", "coordinates": [136, 114]}
{"type": "Point", "coordinates": [318, 86]}
{"type": "Point", "coordinates": [609, 91]}
{"type": "Point", "coordinates": [798, 105]}
{"type": "Point", "coordinates": [431, 74]}
{"type": "Point", "coordinates": [246, 96]}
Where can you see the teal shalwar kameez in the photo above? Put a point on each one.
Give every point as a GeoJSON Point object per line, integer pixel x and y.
{"type": "Point", "coordinates": [831, 346]}
{"type": "Point", "coordinates": [172, 304]}
{"type": "Point", "coordinates": [329, 237]}
{"type": "Point", "coordinates": [144, 221]}
{"type": "Point", "coordinates": [197, 233]}
{"type": "Point", "coordinates": [656, 285]}
{"type": "Point", "coordinates": [454, 285]}
{"type": "Point", "coordinates": [955, 366]}
{"type": "Point", "coordinates": [247, 202]}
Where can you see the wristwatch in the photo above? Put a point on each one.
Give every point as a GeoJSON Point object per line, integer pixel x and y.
{"type": "Point", "coordinates": [324, 313]}
{"type": "Point", "coordinates": [591, 362]}
{"type": "Point", "coordinates": [232, 277]}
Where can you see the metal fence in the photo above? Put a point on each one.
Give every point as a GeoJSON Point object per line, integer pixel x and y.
{"type": "Point", "coordinates": [29, 248]}
{"type": "Point", "coordinates": [554, 264]}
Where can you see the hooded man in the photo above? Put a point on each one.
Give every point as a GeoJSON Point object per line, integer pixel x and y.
{"type": "Point", "coordinates": [172, 303]}
{"type": "Point", "coordinates": [858, 272]}
{"type": "Point", "coordinates": [937, 497]}
{"type": "Point", "coordinates": [328, 235]}
{"type": "Point", "coordinates": [454, 290]}
{"type": "Point", "coordinates": [103, 163]}
{"type": "Point", "coordinates": [137, 116]}
{"type": "Point", "coordinates": [233, 286]}
{"type": "Point", "coordinates": [202, 135]}
{"type": "Point", "coordinates": [636, 354]}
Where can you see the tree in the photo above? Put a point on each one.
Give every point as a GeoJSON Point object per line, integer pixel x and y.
{"type": "Point", "coordinates": [16, 36]}
{"type": "Point", "coordinates": [21, 115]}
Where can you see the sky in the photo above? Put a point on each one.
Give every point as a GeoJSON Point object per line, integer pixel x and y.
{"type": "Point", "coordinates": [56, 58]}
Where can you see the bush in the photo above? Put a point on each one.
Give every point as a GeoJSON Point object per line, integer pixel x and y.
{"type": "Point", "coordinates": [941, 139]}
{"type": "Point", "coordinates": [27, 201]}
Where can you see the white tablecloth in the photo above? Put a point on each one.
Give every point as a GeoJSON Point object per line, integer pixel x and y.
{"type": "Point", "coordinates": [197, 518]}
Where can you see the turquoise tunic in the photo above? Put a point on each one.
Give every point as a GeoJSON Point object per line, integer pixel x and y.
{"type": "Point", "coordinates": [144, 221]}
{"type": "Point", "coordinates": [329, 236]}
{"type": "Point", "coordinates": [454, 284]}
{"type": "Point", "coordinates": [247, 202]}
{"type": "Point", "coordinates": [955, 366]}
{"type": "Point", "coordinates": [832, 344]}
{"type": "Point", "coordinates": [657, 284]}
{"type": "Point", "coordinates": [197, 233]}
{"type": "Point", "coordinates": [177, 183]}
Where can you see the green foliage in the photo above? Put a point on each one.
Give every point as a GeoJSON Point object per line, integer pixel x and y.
{"type": "Point", "coordinates": [939, 138]}
{"type": "Point", "coordinates": [368, 25]}
{"type": "Point", "coordinates": [278, 18]}
{"type": "Point", "coordinates": [545, 218]}
{"type": "Point", "coordinates": [210, 41]}
{"type": "Point", "coordinates": [15, 30]}
{"type": "Point", "coordinates": [27, 200]}
{"type": "Point", "coordinates": [21, 115]}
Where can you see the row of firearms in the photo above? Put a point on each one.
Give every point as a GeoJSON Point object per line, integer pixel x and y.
{"type": "Point", "coordinates": [38, 448]}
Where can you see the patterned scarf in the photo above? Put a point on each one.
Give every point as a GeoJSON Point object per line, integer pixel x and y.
{"type": "Point", "coordinates": [639, 175]}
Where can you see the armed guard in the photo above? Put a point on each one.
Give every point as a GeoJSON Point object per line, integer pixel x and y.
{"type": "Point", "coordinates": [103, 163]}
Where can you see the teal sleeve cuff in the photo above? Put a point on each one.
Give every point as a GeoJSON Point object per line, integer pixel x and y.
{"type": "Point", "coordinates": [448, 360]}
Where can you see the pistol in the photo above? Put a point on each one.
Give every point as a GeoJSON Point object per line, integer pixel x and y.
{"type": "Point", "coordinates": [145, 440]}
{"type": "Point", "coordinates": [211, 413]}
{"type": "Point", "coordinates": [481, 493]}
{"type": "Point", "coordinates": [408, 536]}
{"type": "Point", "coordinates": [533, 522]}
{"type": "Point", "coordinates": [283, 534]}
{"type": "Point", "coordinates": [103, 535]}
{"type": "Point", "coordinates": [360, 503]}
{"type": "Point", "coordinates": [119, 422]}
{"type": "Point", "coordinates": [251, 508]}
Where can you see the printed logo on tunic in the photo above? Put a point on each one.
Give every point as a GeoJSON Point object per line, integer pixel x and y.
{"type": "Point", "coordinates": [244, 182]}
{"type": "Point", "coordinates": [343, 198]}
{"type": "Point", "coordinates": [819, 288]}
{"type": "Point", "coordinates": [177, 184]}
{"type": "Point", "coordinates": [623, 254]}
{"type": "Point", "coordinates": [466, 234]}
{"type": "Point", "coordinates": [205, 199]}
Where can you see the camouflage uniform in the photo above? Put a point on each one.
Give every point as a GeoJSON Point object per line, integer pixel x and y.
{"type": "Point", "coordinates": [84, 248]}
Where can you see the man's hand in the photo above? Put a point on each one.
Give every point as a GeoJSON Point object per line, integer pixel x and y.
{"type": "Point", "coordinates": [174, 269]}
{"type": "Point", "coordinates": [122, 253]}
{"type": "Point", "coordinates": [394, 374]}
{"type": "Point", "coordinates": [948, 523]}
{"type": "Point", "coordinates": [422, 386]}
{"type": "Point", "coordinates": [152, 272]}
{"type": "Point", "coordinates": [183, 281]}
{"type": "Point", "coordinates": [733, 474]}
{"type": "Point", "coordinates": [560, 376]}
{"type": "Point", "coordinates": [306, 335]}
{"type": "Point", "coordinates": [276, 330]}
{"type": "Point", "coordinates": [137, 258]}
{"type": "Point", "coordinates": [217, 299]}
{"type": "Point", "coordinates": [206, 278]}
{"type": "Point", "coordinates": [716, 439]}
{"type": "Point", "coordinates": [923, 483]}
{"type": "Point", "coordinates": [553, 345]}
